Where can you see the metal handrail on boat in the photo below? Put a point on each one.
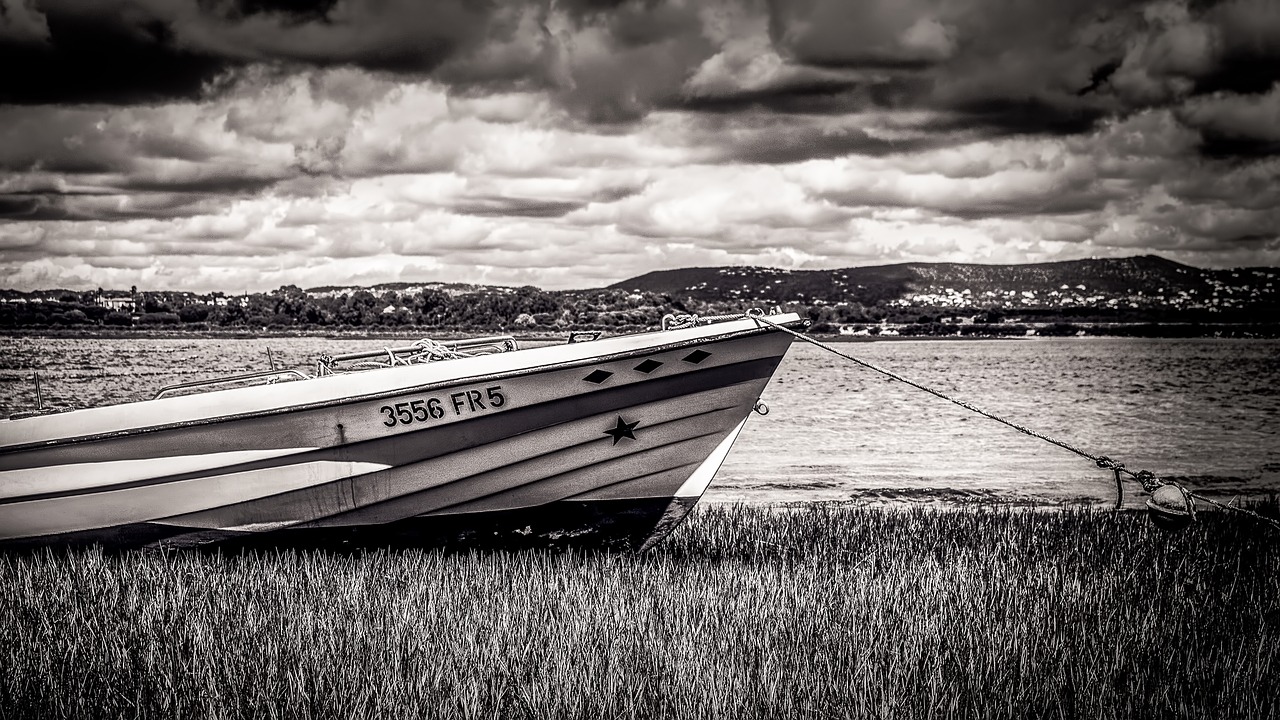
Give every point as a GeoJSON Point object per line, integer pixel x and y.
{"type": "Point", "coordinates": [228, 379]}
{"type": "Point", "coordinates": [498, 343]}
{"type": "Point", "coordinates": [424, 350]}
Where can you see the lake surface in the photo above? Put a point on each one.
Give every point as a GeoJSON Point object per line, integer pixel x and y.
{"type": "Point", "coordinates": [1205, 412]}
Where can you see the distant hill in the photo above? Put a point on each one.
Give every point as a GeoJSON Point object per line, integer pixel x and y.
{"type": "Point", "coordinates": [1146, 289]}
{"type": "Point", "coordinates": [1144, 281]}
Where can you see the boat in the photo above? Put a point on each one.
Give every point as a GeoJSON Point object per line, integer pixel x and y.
{"type": "Point", "coordinates": [597, 441]}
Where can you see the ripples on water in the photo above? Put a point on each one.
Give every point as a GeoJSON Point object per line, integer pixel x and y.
{"type": "Point", "coordinates": [1204, 411]}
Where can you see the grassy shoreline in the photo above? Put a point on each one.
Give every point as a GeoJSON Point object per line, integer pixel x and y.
{"type": "Point", "coordinates": [817, 612]}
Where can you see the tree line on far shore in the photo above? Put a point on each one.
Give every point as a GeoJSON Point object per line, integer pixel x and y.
{"type": "Point", "coordinates": [530, 309]}
{"type": "Point", "coordinates": [291, 307]}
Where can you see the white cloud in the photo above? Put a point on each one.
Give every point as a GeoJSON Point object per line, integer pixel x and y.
{"type": "Point", "coordinates": [928, 38]}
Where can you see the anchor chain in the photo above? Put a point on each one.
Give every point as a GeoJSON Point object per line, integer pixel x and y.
{"type": "Point", "coordinates": [1148, 480]}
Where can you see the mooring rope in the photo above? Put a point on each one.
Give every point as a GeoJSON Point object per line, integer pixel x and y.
{"type": "Point", "coordinates": [1150, 483]}
{"type": "Point", "coordinates": [679, 322]}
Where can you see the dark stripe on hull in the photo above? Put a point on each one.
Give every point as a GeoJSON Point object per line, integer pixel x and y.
{"type": "Point", "coordinates": [589, 524]}
{"type": "Point", "coordinates": [504, 490]}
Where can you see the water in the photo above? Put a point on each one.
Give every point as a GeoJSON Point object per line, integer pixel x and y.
{"type": "Point", "coordinates": [1205, 412]}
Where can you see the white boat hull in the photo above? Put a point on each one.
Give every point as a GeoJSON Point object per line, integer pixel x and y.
{"type": "Point", "coordinates": [607, 443]}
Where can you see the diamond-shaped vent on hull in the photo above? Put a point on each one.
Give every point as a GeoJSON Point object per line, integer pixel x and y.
{"type": "Point", "coordinates": [696, 356]}
{"type": "Point", "coordinates": [648, 366]}
{"type": "Point", "coordinates": [598, 376]}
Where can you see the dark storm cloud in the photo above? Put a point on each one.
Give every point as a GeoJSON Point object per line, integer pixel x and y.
{"type": "Point", "coordinates": [104, 206]}
{"type": "Point", "coordinates": [1235, 126]}
{"type": "Point", "coordinates": [32, 206]}
{"type": "Point", "coordinates": [1016, 68]}
{"type": "Point", "coordinates": [515, 207]}
{"type": "Point", "coordinates": [172, 146]}
{"type": "Point", "coordinates": [767, 138]}
{"type": "Point", "coordinates": [826, 96]}
{"type": "Point", "coordinates": [1069, 203]}
{"type": "Point", "coordinates": [873, 34]}
{"type": "Point", "coordinates": [589, 8]}
{"type": "Point", "coordinates": [1223, 224]}
{"type": "Point", "coordinates": [1251, 187]}
{"type": "Point", "coordinates": [791, 147]}
{"type": "Point", "coordinates": [122, 52]}
{"type": "Point", "coordinates": [616, 66]}
{"type": "Point", "coordinates": [21, 23]}
{"type": "Point", "coordinates": [1099, 76]}
{"type": "Point", "coordinates": [1244, 72]}
{"type": "Point", "coordinates": [60, 154]}
{"type": "Point", "coordinates": [214, 184]}
{"type": "Point", "coordinates": [46, 141]}
{"type": "Point", "coordinates": [1081, 199]}
{"type": "Point", "coordinates": [1224, 146]}
{"type": "Point", "coordinates": [1030, 67]}
{"type": "Point", "coordinates": [1019, 116]}
{"type": "Point", "coordinates": [635, 24]}
{"type": "Point", "coordinates": [298, 10]}
{"type": "Point", "coordinates": [1249, 38]}
{"type": "Point", "coordinates": [1021, 67]}
{"type": "Point", "coordinates": [96, 55]}
{"type": "Point", "coordinates": [78, 165]}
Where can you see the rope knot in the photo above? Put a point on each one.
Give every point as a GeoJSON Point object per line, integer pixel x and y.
{"type": "Point", "coordinates": [1148, 480]}
{"type": "Point", "coordinates": [1107, 463]}
{"type": "Point", "coordinates": [680, 321]}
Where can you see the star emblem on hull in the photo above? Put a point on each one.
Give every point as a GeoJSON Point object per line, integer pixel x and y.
{"type": "Point", "coordinates": [622, 430]}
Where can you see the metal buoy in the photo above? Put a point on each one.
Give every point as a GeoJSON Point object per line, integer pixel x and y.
{"type": "Point", "coordinates": [1171, 508]}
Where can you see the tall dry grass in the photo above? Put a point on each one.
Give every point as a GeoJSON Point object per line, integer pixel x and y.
{"type": "Point", "coordinates": [816, 611]}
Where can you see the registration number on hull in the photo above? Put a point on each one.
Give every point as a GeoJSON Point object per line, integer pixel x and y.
{"type": "Point", "coordinates": [426, 409]}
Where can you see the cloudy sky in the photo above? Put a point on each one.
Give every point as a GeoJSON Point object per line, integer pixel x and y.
{"type": "Point", "coordinates": [246, 144]}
